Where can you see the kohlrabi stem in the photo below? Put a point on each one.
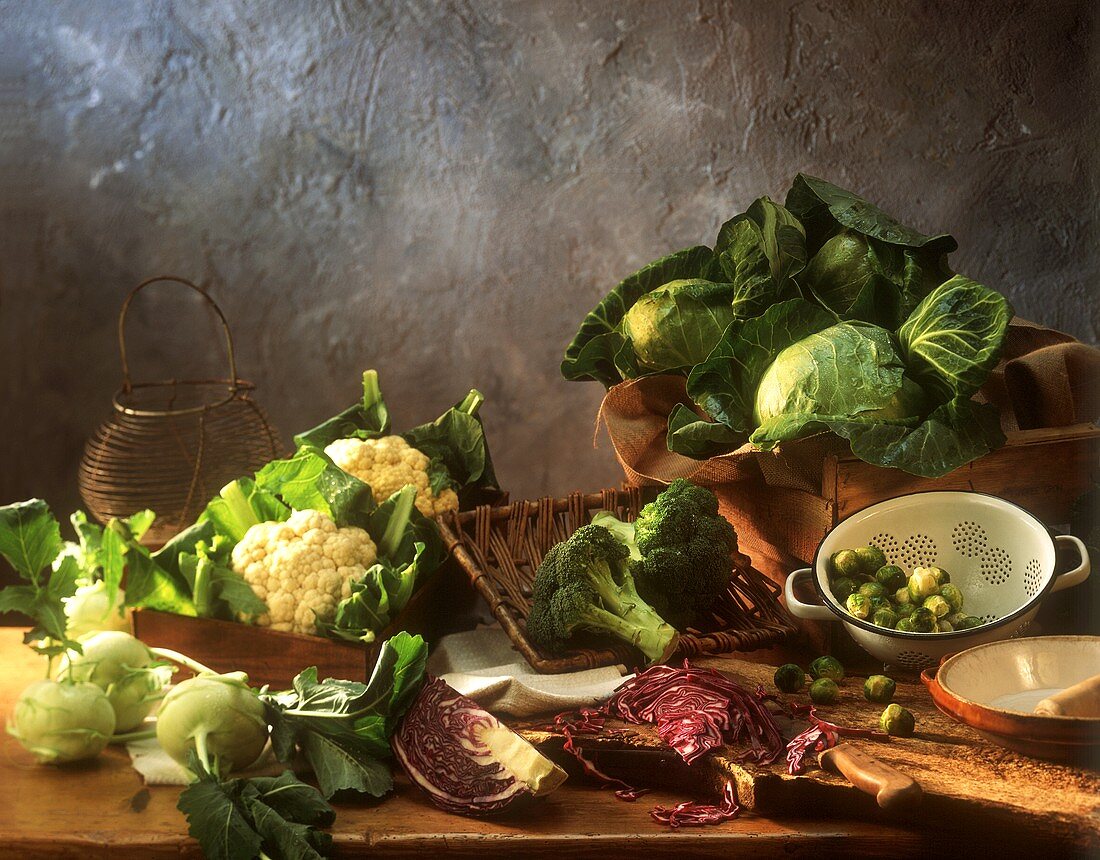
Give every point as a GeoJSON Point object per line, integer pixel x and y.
{"type": "Point", "coordinates": [183, 660]}
{"type": "Point", "coordinates": [203, 753]}
{"type": "Point", "coordinates": [126, 737]}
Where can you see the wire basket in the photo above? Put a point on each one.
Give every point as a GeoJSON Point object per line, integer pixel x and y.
{"type": "Point", "coordinates": [500, 548]}
{"type": "Point", "coordinates": [171, 445]}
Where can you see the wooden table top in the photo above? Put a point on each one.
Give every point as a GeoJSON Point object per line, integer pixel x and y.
{"type": "Point", "coordinates": [101, 809]}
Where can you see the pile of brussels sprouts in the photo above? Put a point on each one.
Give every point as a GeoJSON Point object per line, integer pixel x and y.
{"type": "Point", "coordinates": [827, 673]}
{"type": "Point", "coordinates": [872, 590]}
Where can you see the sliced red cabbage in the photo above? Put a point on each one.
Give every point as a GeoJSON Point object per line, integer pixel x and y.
{"type": "Point", "coordinates": [466, 760]}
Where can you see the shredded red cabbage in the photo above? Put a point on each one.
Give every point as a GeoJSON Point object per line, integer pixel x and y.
{"type": "Point", "coordinates": [696, 710]}
{"type": "Point", "coordinates": [821, 735]}
{"type": "Point", "coordinates": [692, 814]}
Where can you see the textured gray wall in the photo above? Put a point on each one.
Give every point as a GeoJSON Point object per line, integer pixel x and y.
{"type": "Point", "coordinates": [442, 190]}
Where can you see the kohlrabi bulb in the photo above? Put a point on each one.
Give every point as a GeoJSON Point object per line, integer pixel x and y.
{"type": "Point", "coordinates": [89, 610]}
{"type": "Point", "coordinates": [122, 667]}
{"type": "Point", "coordinates": [218, 716]}
{"type": "Point", "coordinates": [62, 721]}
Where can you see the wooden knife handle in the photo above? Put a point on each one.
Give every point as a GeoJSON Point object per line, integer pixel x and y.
{"type": "Point", "coordinates": [1080, 700]}
{"type": "Point", "coordinates": [891, 788]}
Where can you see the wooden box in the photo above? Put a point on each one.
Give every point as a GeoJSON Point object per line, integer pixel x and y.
{"type": "Point", "coordinates": [1044, 471]}
{"type": "Point", "coordinates": [440, 605]}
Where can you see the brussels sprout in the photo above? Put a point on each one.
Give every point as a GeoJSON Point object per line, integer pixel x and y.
{"type": "Point", "coordinates": [922, 584]}
{"type": "Point", "coordinates": [953, 596]}
{"type": "Point", "coordinates": [858, 605]}
{"type": "Point", "coordinates": [923, 620]}
{"type": "Point", "coordinates": [824, 691]}
{"type": "Point", "coordinates": [897, 721]}
{"type": "Point", "coordinates": [842, 587]}
{"type": "Point", "coordinates": [846, 563]}
{"type": "Point", "coordinates": [885, 618]}
{"type": "Point", "coordinates": [891, 576]}
{"type": "Point", "coordinates": [878, 603]}
{"type": "Point", "coordinates": [941, 575]}
{"type": "Point", "coordinates": [905, 625]}
{"type": "Point", "coordinates": [902, 598]}
{"type": "Point", "coordinates": [944, 626]}
{"type": "Point", "coordinates": [873, 589]}
{"type": "Point", "coordinates": [827, 667]}
{"type": "Point", "coordinates": [62, 721]}
{"type": "Point", "coordinates": [937, 606]}
{"type": "Point", "coordinates": [879, 689]}
{"type": "Point", "coordinates": [871, 558]}
{"type": "Point", "coordinates": [968, 622]}
{"type": "Point", "coordinates": [789, 678]}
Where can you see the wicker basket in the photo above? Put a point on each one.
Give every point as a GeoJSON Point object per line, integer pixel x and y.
{"type": "Point", "coordinates": [500, 549]}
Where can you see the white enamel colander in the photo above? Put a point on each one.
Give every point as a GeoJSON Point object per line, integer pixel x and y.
{"type": "Point", "coordinates": [999, 555]}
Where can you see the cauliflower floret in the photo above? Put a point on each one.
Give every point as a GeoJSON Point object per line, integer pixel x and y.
{"type": "Point", "coordinates": [302, 568]}
{"type": "Point", "coordinates": [388, 464]}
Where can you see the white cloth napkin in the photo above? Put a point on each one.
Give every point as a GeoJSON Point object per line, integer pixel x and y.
{"type": "Point", "coordinates": [158, 768]}
{"type": "Point", "coordinates": [483, 665]}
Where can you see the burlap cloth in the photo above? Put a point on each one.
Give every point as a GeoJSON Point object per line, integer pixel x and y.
{"type": "Point", "coordinates": [1045, 379]}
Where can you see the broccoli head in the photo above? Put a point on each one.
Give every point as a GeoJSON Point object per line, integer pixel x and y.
{"type": "Point", "coordinates": [585, 583]}
{"type": "Point", "coordinates": [683, 548]}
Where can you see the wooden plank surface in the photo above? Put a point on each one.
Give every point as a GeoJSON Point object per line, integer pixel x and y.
{"type": "Point", "coordinates": [965, 778]}
{"type": "Point", "coordinates": [100, 809]}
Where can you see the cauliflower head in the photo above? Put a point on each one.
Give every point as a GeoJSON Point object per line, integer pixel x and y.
{"type": "Point", "coordinates": [386, 465]}
{"type": "Point", "coordinates": [302, 568]}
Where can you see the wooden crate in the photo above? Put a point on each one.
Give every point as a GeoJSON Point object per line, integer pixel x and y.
{"type": "Point", "coordinates": [274, 658]}
{"type": "Point", "coordinates": [1044, 471]}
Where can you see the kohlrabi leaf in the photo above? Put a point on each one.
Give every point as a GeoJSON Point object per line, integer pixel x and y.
{"type": "Point", "coordinates": [367, 419]}
{"type": "Point", "coordinates": [456, 445]}
{"type": "Point", "coordinates": [600, 364]}
{"type": "Point", "coordinates": [216, 819]}
{"type": "Point", "coordinates": [30, 537]}
{"type": "Point", "coordinates": [285, 839]}
{"type": "Point", "coordinates": [954, 337]}
{"type": "Point", "coordinates": [694, 437]}
{"type": "Point", "coordinates": [724, 385]}
{"type": "Point", "coordinates": [311, 481]}
{"type": "Point", "coordinates": [343, 727]}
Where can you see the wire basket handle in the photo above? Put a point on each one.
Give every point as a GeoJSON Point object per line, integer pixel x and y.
{"type": "Point", "coordinates": [127, 385]}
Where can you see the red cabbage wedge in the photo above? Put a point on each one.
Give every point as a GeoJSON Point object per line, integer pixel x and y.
{"type": "Point", "coordinates": [464, 758]}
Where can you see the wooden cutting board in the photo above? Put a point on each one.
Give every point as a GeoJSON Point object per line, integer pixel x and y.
{"type": "Point", "coordinates": [962, 774]}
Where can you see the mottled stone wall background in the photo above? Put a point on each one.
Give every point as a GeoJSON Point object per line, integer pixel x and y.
{"type": "Point", "coordinates": [442, 189]}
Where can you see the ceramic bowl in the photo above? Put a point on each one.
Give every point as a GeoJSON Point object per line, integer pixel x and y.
{"type": "Point", "coordinates": [994, 688]}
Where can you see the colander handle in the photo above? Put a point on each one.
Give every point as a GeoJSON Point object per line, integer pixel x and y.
{"type": "Point", "coordinates": [1080, 573]}
{"type": "Point", "coordinates": [809, 611]}
{"type": "Point", "coordinates": [127, 384]}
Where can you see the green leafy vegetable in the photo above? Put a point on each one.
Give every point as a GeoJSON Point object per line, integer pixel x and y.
{"type": "Point", "coordinates": [30, 539]}
{"type": "Point", "coordinates": [367, 419]}
{"type": "Point", "coordinates": [597, 351]}
{"type": "Point", "coordinates": [237, 819]}
{"type": "Point", "coordinates": [343, 727]}
{"type": "Point", "coordinates": [760, 251]}
{"type": "Point", "coordinates": [311, 481]}
{"type": "Point", "coordinates": [954, 337]}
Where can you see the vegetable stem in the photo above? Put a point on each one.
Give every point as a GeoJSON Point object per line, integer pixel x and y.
{"type": "Point", "coordinates": [471, 403]}
{"type": "Point", "coordinates": [183, 660]}
{"type": "Point", "coordinates": [126, 737]}
{"type": "Point", "coordinates": [399, 520]}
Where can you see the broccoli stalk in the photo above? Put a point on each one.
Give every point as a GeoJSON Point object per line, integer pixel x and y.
{"type": "Point", "coordinates": [585, 584]}
{"type": "Point", "coordinates": [681, 547]}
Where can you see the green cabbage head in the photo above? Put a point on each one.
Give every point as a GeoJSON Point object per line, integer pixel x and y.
{"type": "Point", "coordinates": [677, 325]}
